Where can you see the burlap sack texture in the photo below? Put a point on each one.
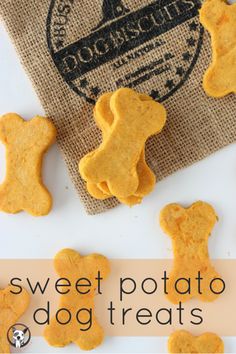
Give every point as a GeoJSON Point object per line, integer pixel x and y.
{"type": "Point", "coordinates": [75, 50]}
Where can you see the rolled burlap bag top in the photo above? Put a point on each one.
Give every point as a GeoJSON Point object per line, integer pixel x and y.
{"type": "Point", "coordinates": [75, 50]}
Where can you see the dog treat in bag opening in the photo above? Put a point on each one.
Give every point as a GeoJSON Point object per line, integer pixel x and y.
{"type": "Point", "coordinates": [127, 119]}
{"type": "Point", "coordinates": [156, 47]}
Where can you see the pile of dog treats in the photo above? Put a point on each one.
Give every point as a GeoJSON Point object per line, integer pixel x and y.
{"type": "Point", "coordinates": [118, 167]}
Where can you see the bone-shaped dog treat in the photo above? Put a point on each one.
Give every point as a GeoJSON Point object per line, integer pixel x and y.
{"type": "Point", "coordinates": [104, 119]}
{"type": "Point", "coordinates": [185, 342]}
{"type": "Point", "coordinates": [116, 159]}
{"type": "Point", "coordinates": [25, 142]}
{"type": "Point", "coordinates": [70, 265]}
{"type": "Point", "coordinates": [12, 307]}
{"type": "Point", "coordinates": [189, 229]}
{"type": "Point", "coordinates": [218, 17]}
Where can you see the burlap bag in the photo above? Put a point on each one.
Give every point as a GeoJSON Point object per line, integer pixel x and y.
{"type": "Point", "coordinates": [74, 50]}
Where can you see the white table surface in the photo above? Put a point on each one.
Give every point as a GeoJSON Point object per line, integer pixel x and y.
{"type": "Point", "coordinates": [119, 233]}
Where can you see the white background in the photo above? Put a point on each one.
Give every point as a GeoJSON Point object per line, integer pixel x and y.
{"type": "Point", "coordinates": [119, 233]}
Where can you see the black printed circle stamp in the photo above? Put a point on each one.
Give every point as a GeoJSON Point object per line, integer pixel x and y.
{"type": "Point", "coordinates": [155, 44]}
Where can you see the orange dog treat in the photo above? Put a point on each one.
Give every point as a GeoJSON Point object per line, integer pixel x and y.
{"type": "Point", "coordinates": [12, 307]}
{"type": "Point", "coordinates": [189, 229]}
{"type": "Point", "coordinates": [26, 142]}
{"type": "Point", "coordinates": [104, 119]}
{"type": "Point", "coordinates": [95, 191]}
{"type": "Point", "coordinates": [115, 161]}
{"type": "Point", "coordinates": [218, 17]}
{"type": "Point", "coordinates": [185, 342]}
{"type": "Point", "coordinates": [71, 266]}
